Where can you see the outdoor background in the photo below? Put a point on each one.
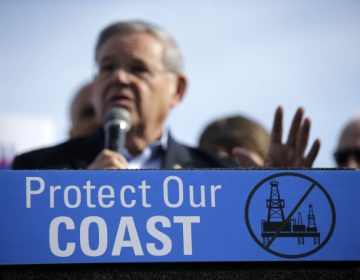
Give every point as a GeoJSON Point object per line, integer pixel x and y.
{"type": "Point", "coordinates": [241, 57]}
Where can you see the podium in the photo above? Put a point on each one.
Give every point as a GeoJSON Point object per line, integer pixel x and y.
{"type": "Point", "coordinates": [207, 224]}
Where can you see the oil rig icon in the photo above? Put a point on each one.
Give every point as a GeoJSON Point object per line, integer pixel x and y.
{"type": "Point", "coordinates": [276, 226]}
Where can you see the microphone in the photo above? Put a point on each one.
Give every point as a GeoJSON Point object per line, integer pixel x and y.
{"type": "Point", "coordinates": [116, 125]}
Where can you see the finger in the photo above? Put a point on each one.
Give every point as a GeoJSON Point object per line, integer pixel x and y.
{"type": "Point", "coordinates": [245, 158]}
{"type": "Point", "coordinates": [108, 159]}
{"type": "Point", "coordinates": [303, 137]}
{"type": "Point", "coordinates": [295, 126]}
{"type": "Point", "coordinates": [110, 153]}
{"type": "Point", "coordinates": [313, 153]}
{"type": "Point", "coordinates": [276, 133]}
{"type": "Point", "coordinates": [103, 155]}
{"type": "Point", "coordinates": [106, 154]}
{"type": "Point", "coordinates": [110, 163]}
{"type": "Point", "coordinates": [116, 162]}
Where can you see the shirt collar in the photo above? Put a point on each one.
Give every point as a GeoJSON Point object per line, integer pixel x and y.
{"type": "Point", "coordinates": [151, 156]}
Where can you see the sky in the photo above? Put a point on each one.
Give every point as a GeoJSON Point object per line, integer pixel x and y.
{"type": "Point", "coordinates": [241, 57]}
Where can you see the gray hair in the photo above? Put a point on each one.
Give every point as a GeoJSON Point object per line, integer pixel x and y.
{"type": "Point", "coordinates": [172, 57]}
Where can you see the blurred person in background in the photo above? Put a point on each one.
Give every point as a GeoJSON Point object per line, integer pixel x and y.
{"type": "Point", "coordinates": [82, 113]}
{"type": "Point", "coordinates": [224, 135]}
{"type": "Point", "coordinates": [348, 150]}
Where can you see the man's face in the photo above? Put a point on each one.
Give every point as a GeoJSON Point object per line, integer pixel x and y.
{"type": "Point", "coordinates": [348, 153]}
{"type": "Point", "coordinates": [132, 75]}
{"type": "Point", "coordinates": [83, 114]}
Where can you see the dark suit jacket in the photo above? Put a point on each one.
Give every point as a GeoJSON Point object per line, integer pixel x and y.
{"type": "Point", "coordinates": [80, 152]}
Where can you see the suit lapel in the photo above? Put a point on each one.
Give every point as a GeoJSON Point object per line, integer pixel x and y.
{"type": "Point", "coordinates": [176, 155]}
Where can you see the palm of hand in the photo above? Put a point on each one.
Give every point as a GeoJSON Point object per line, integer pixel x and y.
{"type": "Point", "coordinates": [292, 153]}
{"type": "Point", "coordinates": [288, 155]}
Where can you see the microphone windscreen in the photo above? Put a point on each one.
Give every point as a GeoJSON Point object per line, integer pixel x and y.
{"type": "Point", "coordinates": [119, 115]}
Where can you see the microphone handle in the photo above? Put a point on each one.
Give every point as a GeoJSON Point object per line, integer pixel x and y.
{"type": "Point", "coordinates": [115, 136]}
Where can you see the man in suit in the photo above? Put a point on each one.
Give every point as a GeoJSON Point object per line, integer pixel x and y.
{"type": "Point", "coordinates": [140, 69]}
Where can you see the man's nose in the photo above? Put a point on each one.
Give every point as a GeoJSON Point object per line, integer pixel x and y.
{"type": "Point", "coordinates": [122, 75]}
{"type": "Point", "coordinates": [352, 162]}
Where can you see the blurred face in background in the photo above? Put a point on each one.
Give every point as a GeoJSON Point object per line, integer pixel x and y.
{"type": "Point", "coordinates": [83, 119]}
{"type": "Point", "coordinates": [348, 152]}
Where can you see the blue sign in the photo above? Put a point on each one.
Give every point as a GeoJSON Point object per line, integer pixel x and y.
{"type": "Point", "coordinates": [179, 216]}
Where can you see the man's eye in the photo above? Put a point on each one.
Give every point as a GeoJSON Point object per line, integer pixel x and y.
{"type": "Point", "coordinates": [87, 111]}
{"type": "Point", "coordinates": [138, 69]}
{"type": "Point", "coordinates": [108, 68]}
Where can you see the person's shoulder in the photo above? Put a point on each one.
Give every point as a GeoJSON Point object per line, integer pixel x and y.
{"type": "Point", "coordinates": [43, 158]}
{"type": "Point", "coordinates": [72, 154]}
{"type": "Point", "coordinates": [183, 156]}
{"type": "Point", "coordinates": [209, 160]}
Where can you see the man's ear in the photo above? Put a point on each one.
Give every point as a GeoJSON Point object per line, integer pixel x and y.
{"type": "Point", "coordinates": [181, 87]}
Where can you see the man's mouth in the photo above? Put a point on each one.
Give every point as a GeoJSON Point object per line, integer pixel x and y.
{"type": "Point", "coordinates": [121, 101]}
